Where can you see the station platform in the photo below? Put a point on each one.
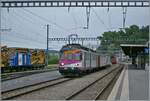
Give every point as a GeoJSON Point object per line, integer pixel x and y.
{"type": "Point", "coordinates": [132, 84]}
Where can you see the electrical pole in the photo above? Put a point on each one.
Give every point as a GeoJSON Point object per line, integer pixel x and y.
{"type": "Point", "coordinates": [47, 45]}
{"type": "Point", "coordinates": [124, 16]}
{"type": "Point", "coordinates": [88, 16]}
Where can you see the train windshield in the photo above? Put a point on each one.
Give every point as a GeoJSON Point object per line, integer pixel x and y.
{"type": "Point", "coordinates": [72, 55]}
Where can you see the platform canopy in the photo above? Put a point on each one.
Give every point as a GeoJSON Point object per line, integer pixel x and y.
{"type": "Point", "coordinates": [134, 49]}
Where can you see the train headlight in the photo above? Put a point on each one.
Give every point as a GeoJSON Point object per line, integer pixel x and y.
{"type": "Point", "coordinates": [77, 64]}
{"type": "Point", "coordinates": [62, 64]}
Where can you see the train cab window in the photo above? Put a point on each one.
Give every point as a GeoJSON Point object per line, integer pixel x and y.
{"type": "Point", "coordinates": [78, 56]}
{"type": "Point", "coordinates": [71, 56]}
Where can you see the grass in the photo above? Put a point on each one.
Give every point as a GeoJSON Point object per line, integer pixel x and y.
{"type": "Point", "coordinates": [51, 66]}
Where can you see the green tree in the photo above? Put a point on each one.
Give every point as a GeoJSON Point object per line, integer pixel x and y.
{"type": "Point", "coordinates": [131, 35]}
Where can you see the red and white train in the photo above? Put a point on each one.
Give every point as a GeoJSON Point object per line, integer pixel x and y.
{"type": "Point", "coordinates": [76, 59]}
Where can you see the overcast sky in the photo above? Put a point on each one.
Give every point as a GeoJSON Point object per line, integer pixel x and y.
{"type": "Point", "coordinates": [28, 25]}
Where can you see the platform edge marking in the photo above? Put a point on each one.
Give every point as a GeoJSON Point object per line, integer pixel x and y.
{"type": "Point", "coordinates": [125, 89]}
{"type": "Point", "coordinates": [114, 91]}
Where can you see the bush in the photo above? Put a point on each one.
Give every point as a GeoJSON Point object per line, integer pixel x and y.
{"type": "Point", "coordinates": [53, 59]}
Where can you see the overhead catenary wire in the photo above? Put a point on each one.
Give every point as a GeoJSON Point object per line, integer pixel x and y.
{"type": "Point", "coordinates": [20, 20]}
{"type": "Point", "coordinates": [18, 42]}
{"type": "Point", "coordinates": [46, 20]}
{"type": "Point", "coordinates": [75, 21]}
{"type": "Point", "coordinates": [29, 18]}
{"type": "Point", "coordinates": [109, 18]}
{"type": "Point", "coordinates": [3, 21]}
{"type": "Point", "coordinates": [99, 18]}
{"type": "Point", "coordinates": [21, 37]}
{"type": "Point", "coordinates": [96, 13]}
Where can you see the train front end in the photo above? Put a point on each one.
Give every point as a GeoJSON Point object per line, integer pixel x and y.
{"type": "Point", "coordinates": [70, 62]}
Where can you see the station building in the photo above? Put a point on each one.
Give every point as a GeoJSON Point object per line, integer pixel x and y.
{"type": "Point", "coordinates": [139, 54]}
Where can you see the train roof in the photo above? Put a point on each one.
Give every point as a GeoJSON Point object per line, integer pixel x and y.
{"type": "Point", "coordinates": [76, 46]}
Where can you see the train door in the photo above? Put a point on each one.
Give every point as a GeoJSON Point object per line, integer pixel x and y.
{"type": "Point", "coordinates": [87, 60]}
{"type": "Point", "coordinates": [20, 59]}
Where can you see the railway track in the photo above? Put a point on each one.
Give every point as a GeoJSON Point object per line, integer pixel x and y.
{"type": "Point", "coordinates": [80, 94]}
{"type": "Point", "coordinates": [10, 76]}
{"type": "Point", "coordinates": [96, 88]}
{"type": "Point", "coordinates": [6, 95]}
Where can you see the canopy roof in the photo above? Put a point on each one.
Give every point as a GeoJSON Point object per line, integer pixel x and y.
{"type": "Point", "coordinates": [134, 49]}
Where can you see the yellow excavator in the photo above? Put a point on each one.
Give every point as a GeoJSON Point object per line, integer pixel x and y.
{"type": "Point", "coordinates": [5, 54]}
{"type": "Point", "coordinates": [37, 57]}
